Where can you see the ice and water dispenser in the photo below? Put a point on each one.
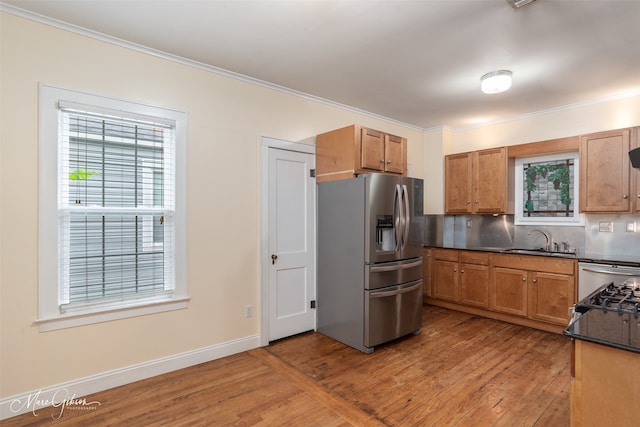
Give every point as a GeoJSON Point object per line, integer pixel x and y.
{"type": "Point", "coordinates": [385, 237]}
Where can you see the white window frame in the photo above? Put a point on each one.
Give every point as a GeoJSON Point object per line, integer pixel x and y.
{"type": "Point", "coordinates": [50, 315]}
{"type": "Point", "coordinates": [519, 219]}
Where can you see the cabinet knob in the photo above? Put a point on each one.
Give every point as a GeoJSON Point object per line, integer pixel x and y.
{"type": "Point", "coordinates": [524, 279]}
{"type": "Point", "coordinates": [535, 280]}
{"type": "Point", "coordinates": [455, 270]}
{"type": "Point", "coordinates": [476, 202]}
{"type": "Point", "coordinates": [624, 196]}
{"type": "Point", "coordinates": [468, 201]}
{"type": "Point", "coordinates": [638, 196]}
{"type": "Point", "coordinates": [462, 271]}
{"type": "Point", "coordinates": [382, 161]}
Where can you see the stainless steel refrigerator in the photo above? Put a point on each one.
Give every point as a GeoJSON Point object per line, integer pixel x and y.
{"type": "Point", "coordinates": [370, 244]}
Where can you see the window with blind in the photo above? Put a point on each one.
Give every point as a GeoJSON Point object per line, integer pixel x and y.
{"type": "Point", "coordinates": [116, 204]}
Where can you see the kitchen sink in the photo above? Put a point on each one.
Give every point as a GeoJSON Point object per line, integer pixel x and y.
{"type": "Point", "coordinates": [540, 251]}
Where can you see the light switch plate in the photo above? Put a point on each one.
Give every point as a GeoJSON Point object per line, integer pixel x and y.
{"type": "Point", "coordinates": [606, 227]}
{"type": "Point", "coordinates": [631, 226]}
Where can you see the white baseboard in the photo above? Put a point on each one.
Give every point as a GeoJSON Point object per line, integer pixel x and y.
{"type": "Point", "coordinates": [72, 392]}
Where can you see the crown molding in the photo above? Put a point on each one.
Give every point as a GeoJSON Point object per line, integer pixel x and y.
{"type": "Point", "coordinates": [191, 63]}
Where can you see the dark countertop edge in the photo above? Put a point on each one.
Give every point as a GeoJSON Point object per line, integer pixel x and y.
{"type": "Point", "coordinates": [563, 256]}
{"type": "Point", "coordinates": [601, 342]}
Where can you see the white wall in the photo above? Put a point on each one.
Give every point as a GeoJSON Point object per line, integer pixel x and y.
{"type": "Point", "coordinates": [226, 118]}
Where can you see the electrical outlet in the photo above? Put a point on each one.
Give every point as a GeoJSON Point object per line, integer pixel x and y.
{"type": "Point", "coordinates": [469, 223]}
{"type": "Point", "coordinates": [606, 227]}
{"type": "Point", "coordinates": [631, 226]}
{"type": "Point", "coordinates": [248, 311]}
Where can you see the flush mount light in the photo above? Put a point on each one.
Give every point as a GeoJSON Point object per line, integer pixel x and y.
{"type": "Point", "coordinates": [496, 81]}
{"type": "Point", "coordinates": [519, 3]}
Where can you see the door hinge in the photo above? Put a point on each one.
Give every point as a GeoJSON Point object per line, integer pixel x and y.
{"type": "Point", "coordinates": [313, 303]}
{"type": "Point", "coordinates": [312, 173]}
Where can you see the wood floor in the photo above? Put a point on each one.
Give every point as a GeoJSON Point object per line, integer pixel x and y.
{"type": "Point", "coordinates": [463, 370]}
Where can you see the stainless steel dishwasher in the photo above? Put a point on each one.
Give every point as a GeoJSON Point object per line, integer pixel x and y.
{"type": "Point", "coordinates": [592, 276]}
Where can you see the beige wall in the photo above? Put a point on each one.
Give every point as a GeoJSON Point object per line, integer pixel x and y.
{"type": "Point", "coordinates": [226, 119]}
{"type": "Point", "coordinates": [598, 116]}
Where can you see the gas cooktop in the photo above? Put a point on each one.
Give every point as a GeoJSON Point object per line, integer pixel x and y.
{"type": "Point", "coordinates": [620, 298]}
{"type": "Point", "coordinates": [609, 316]}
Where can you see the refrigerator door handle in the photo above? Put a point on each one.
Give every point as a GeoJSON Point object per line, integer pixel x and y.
{"type": "Point", "coordinates": [396, 267]}
{"type": "Point", "coordinates": [397, 291]}
{"type": "Point", "coordinates": [407, 218]}
{"type": "Point", "coordinates": [397, 216]}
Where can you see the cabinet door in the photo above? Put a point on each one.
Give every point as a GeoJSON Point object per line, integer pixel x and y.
{"type": "Point", "coordinates": [490, 181]}
{"type": "Point", "coordinates": [457, 183]}
{"type": "Point", "coordinates": [372, 149]}
{"type": "Point", "coordinates": [394, 154]}
{"type": "Point", "coordinates": [426, 277]}
{"type": "Point", "coordinates": [474, 285]}
{"type": "Point", "coordinates": [550, 297]}
{"type": "Point", "coordinates": [604, 172]}
{"type": "Point", "coordinates": [509, 291]}
{"type": "Point", "coordinates": [445, 280]}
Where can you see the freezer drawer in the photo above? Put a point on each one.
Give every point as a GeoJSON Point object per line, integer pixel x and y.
{"type": "Point", "coordinates": [392, 312]}
{"type": "Point", "coordinates": [384, 275]}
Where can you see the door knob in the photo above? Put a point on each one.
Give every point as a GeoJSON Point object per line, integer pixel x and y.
{"type": "Point", "coordinates": [274, 257]}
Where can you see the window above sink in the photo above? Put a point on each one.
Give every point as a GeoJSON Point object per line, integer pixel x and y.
{"type": "Point", "coordinates": [546, 190]}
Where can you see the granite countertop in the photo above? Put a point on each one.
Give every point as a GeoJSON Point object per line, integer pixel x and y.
{"type": "Point", "coordinates": [631, 261]}
{"type": "Point", "coordinates": [606, 328]}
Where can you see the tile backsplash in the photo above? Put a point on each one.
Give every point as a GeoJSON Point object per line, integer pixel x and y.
{"type": "Point", "coordinates": [604, 236]}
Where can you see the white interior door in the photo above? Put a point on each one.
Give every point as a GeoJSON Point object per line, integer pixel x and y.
{"type": "Point", "coordinates": [291, 243]}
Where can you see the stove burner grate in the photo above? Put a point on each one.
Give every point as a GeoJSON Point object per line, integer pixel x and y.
{"type": "Point", "coordinates": [621, 299]}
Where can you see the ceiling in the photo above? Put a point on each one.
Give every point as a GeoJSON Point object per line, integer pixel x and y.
{"type": "Point", "coordinates": [414, 61]}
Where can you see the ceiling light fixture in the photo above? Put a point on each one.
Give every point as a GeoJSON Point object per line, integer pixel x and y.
{"type": "Point", "coordinates": [496, 81]}
{"type": "Point", "coordinates": [519, 3]}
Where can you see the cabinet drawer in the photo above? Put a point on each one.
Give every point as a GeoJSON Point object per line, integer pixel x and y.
{"type": "Point", "coordinates": [535, 263]}
{"type": "Point", "coordinates": [473, 257]}
{"type": "Point", "coordinates": [446, 254]}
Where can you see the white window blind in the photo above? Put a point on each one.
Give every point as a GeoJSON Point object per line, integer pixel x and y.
{"type": "Point", "coordinates": [116, 204]}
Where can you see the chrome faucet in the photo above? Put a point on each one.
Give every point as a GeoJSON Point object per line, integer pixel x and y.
{"type": "Point", "coordinates": [547, 235]}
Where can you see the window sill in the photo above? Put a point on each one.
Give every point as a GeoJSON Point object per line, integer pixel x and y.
{"type": "Point", "coordinates": [64, 321]}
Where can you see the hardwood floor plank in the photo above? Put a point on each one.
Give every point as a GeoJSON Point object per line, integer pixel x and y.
{"type": "Point", "coordinates": [462, 370]}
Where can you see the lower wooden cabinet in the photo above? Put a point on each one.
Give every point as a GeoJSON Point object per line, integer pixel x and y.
{"type": "Point", "coordinates": [509, 291]}
{"type": "Point", "coordinates": [460, 276]}
{"type": "Point", "coordinates": [536, 291]}
{"type": "Point", "coordinates": [604, 389]}
{"type": "Point", "coordinates": [550, 297]}
{"type": "Point", "coordinates": [474, 279]}
{"type": "Point", "coordinates": [445, 280]}
{"type": "Point", "coordinates": [426, 268]}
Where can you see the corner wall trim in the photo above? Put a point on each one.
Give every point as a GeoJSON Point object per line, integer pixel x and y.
{"type": "Point", "coordinates": [31, 401]}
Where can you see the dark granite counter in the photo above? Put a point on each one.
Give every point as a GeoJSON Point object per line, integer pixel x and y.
{"type": "Point", "coordinates": [606, 328]}
{"type": "Point", "coordinates": [633, 260]}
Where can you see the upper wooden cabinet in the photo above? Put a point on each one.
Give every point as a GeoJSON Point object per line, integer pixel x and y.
{"type": "Point", "coordinates": [605, 185]}
{"type": "Point", "coordinates": [345, 152]}
{"type": "Point", "coordinates": [477, 182]}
